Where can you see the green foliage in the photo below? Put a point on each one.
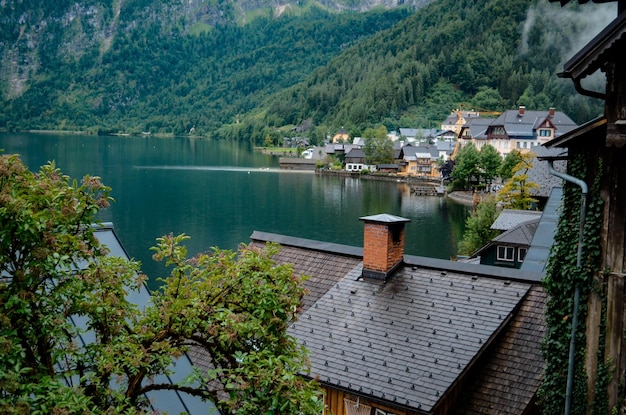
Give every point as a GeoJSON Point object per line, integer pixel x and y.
{"type": "Point", "coordinates": [155, 77]}
{"type": "Point", "coordinates": [490, 162]}
{"type": "Point", "coordinates": [516, 192]}
{"type": "Point", "coordinates": [234, 308]}
{"type": "Point", "coordinates": [477, 227]}
{"type": "Point", "coordinates": [511, 160]}
{"type": "Point", "coordinates": [562, 275]}
{"type": "Point", "coordinates": [466, 166]}
{"type": "Point", "coordinates": [378, 147]}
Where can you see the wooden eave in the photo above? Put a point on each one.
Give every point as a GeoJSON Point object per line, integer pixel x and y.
{"type": "Point", "coordinates": [587, 130]}
{"type": "Point", "coordinates": [594, 55]}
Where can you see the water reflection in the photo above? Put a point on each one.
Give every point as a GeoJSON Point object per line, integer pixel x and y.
{"type": "Point", "coordinates": [220, 192]}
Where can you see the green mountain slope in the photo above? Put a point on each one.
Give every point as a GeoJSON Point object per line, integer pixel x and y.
{"type": "Point", "coordinates": [174, 67]}
{"type": "Point", "coordinates": [488, 54]}
{"type": "Point", "coordinates": [134, 68]}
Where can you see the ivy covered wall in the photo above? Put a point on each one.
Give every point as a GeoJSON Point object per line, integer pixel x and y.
{"type": "Point", "coordinates": [562, 276]}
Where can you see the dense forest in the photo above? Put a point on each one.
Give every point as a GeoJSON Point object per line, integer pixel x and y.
{"type": "Point", "coordinates": [316, 69]}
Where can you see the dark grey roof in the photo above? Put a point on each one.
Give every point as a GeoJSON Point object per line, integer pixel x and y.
{"type": "Point", "coordinates": [355, 153]}
{"type": "Point", "coordinates": [478, 127]}
{"type": "Point", "coordinates": [511, 371]}
{"type": "Point", "coordinates": [539, 250]}
{"type": "Point", "coordinates": [521, 235]}
{"type": "Point", "coordinates": [412, 152]}
{"type": "Point", "coordinates": [510, 218]}
{"type": "Point", "coordinates": [407, 341]}
{"type": "Point", "coordinates": [523, 125]}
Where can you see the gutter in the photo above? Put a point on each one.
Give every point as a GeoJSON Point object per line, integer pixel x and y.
{"type": "Point", "coordinates": [572, 345]}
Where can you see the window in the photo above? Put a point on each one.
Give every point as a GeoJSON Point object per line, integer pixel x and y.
{"type": "Point", "coordinates": [356, 407]}
{"type": "Point", "coordinates": [521, 254]}
{"type": "Point", "coordinates": [506, 253]}
{"type": "Point", "coordinates": [545, 133]}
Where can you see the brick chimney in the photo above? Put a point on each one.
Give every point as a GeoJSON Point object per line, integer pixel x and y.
{"type": "Point", "coordinates": [551, 112]}
{"type": "Point", "coordinates": [522, 110]}
{"type": "Point", "coordinates": [383, 245]}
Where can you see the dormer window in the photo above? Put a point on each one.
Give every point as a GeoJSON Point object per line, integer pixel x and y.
{"type": "Point", "coordinates": [506, 253]}
{"type": "Point", "coordinates": [545, 132]}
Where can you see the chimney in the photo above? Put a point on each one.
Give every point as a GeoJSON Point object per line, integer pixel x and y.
{"type": "Point", "coordinates": [551, 112]}
{"type": "Point", "coordinates": [383, 245]}
{"type": "Point", "coordinates": [522, 109]}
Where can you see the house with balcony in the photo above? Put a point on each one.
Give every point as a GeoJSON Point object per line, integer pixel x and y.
{"type": "Point", "coordinates": [419, 161]}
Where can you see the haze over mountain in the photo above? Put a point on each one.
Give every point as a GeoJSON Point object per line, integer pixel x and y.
{"type": "Point", "coordinates": [245, 69]}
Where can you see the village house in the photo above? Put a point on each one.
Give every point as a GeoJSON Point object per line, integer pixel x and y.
{"type": "Point", "coordinates": [341, 136]}
{"type": "Point", "coordinates": [457, 119]}
{"type": "Point", "coordinates": [355, 161]}
{"type": "Point", "coordinates": [390, 333]}
{"type": "Point", "coordinates": [419, 161]}
{"type": "Point", "coordinates": [509, 248]}
{"type": "Point", "coordinates": [520, 129]}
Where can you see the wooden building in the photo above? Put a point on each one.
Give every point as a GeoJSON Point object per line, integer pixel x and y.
{"type": "Point", "coordinates": [603, 139]}
{"type": "Point", "coordinates": [392, 334]}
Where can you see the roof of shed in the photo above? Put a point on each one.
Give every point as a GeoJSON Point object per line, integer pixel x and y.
{"type": "Point", "coordinates": [522, 234]}
{"type": "Point", "coordinates": [510, 218]}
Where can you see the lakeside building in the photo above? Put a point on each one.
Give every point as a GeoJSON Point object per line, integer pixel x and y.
{"type": "Point", "coordinates": [520, 129]}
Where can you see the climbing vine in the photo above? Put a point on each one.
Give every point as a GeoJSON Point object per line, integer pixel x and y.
{"type": "Point", "coordinates": [562, 276]}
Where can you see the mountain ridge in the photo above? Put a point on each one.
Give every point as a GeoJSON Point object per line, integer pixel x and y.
{"type": "Point", "coordinates": [133, 66]}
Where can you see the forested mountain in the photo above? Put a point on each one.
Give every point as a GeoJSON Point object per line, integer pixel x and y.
{"type": "Point", "coordinates": [487, 54]}
{"type": "Point", "coordinates": [142, 65]}
{"type": "Point", "coordinates": [243, 69]}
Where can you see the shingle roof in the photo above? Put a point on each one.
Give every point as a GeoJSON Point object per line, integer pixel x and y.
{"type": "Point", "coordinates": [540, 174]}
{"type": "Point", "coordinates": [509, 378]}
{"type": "Point", "coordinates": [315, 260]}
{"type": "Point", "coordinates": [407, 341]}
{"type": "Point", "coordinates": [509, 218]}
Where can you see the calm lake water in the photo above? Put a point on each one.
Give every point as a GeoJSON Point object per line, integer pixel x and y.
{"type": "Point", "coordinates": [219, 192]}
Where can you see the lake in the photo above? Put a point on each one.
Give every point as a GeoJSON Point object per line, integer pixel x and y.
{"type": "Point", "coordinates": [218, 192]}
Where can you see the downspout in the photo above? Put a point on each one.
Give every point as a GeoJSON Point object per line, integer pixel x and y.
{"type": "Point", "coordinates": [572, 343]}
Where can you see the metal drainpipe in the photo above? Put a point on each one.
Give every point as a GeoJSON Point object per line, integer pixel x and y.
{"type": "Point", "coordinates": [572, 343]}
